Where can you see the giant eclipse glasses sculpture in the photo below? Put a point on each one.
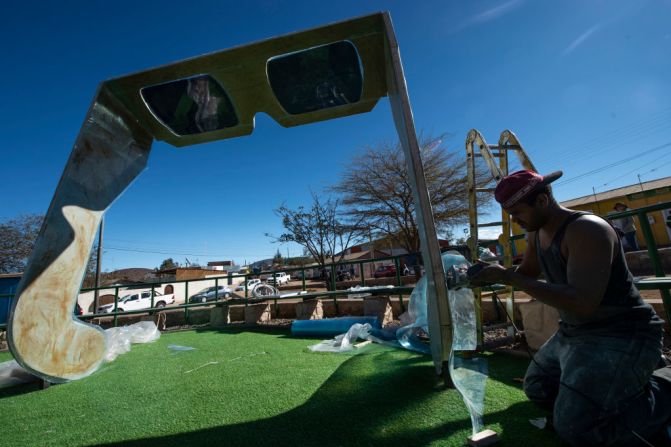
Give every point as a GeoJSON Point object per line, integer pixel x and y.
{"type": "Point", "coordinates": [324, 73]}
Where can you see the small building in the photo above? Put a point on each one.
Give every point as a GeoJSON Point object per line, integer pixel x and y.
{"type": "Point", "coordinates": [187, 273]}
{"type": "Point", "coordinates": [634, 196]}
{"type": "Point", "coordinates": [223, 265]}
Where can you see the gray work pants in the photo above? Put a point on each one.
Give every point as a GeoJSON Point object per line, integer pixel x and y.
{"type": "Point", "coordinates": [599, 388]}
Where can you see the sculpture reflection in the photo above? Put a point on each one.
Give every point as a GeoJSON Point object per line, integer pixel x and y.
{"type": "Point", "coordinates": [317, 78]}
{"type": "Point", "coordinates": [191, 106]}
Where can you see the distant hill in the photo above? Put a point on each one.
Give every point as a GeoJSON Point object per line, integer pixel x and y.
{"type": "Point", "coordinates": [128, 275]}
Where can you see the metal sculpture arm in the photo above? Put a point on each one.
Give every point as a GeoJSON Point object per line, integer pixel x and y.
{"type": "Point", "coordinates": [439, 320]}
{"type": "Point", "coordinates": [44, 337]}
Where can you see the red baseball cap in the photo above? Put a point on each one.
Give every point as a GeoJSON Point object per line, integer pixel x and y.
{"type": "Point", "coordinates": [516, 186]}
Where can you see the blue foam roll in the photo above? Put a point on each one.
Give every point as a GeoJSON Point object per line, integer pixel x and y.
{"type": "Point", "coordinates": [329, 327]}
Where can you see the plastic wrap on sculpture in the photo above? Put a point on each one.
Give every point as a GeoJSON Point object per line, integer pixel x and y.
{"type": "Point", "coordinates": [464, 335]}
{"type": "Point", "coordinates": [119, 340]}
{"type": "Point", "coordinates": [468, 374]}
{"type": "Point", "coordinates": [343, 342]}
{"type": "Point", "coordinates": [364, 331]}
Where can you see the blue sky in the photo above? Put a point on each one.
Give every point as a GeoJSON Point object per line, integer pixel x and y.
{"type": "Point", "coordinates": [584, 84]}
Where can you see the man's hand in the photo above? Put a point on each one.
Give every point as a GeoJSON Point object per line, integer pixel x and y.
{"type": "Point", "coordinates": [489, 274]}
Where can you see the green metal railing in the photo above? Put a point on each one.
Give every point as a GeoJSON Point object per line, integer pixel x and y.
{"type": "Point", "coordinates": [651, 246]}
{"type": "Point", "coordinates": [663, 285]}
{"type": "Point", "coordinates": [334, 294]}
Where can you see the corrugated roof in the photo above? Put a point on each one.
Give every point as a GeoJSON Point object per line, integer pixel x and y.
{"type": "Point", "coordinates": [619, 192]}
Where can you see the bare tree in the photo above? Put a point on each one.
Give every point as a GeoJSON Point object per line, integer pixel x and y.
{"type": "Point", "coordinates": [321, 230]}
{"type": "Point", "coordinates": [17, 237]}
{"type": "Point", "coordinates": [377, 190]}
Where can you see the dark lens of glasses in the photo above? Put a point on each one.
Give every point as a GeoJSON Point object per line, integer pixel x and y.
{"type": "Point", "coordinates": [317, 78]}
{"type": "Point", "coordinates": [191, 106]}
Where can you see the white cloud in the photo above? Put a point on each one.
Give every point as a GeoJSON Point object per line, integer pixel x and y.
{"type": "Point", "coordinates": [489, 232]}
{"type": "Point", "coordinates": [488, 15]}
{"type": "Point", "coordinates": [580, 40]}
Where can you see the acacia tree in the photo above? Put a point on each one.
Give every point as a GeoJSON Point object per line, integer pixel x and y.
{"type": "Point", "coordinates": [322, 230]}
{"type": "Point", "coordinates": [168, 263]}
{"type": "Point", "coordinates": [376, 188]}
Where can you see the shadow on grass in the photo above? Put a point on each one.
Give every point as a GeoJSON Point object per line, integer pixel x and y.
{"type": "Point", "coordinates": [339, 414]}
{"type": "Point", "coordinates": [16, 390]}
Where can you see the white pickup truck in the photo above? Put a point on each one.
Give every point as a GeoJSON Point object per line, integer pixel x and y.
{"type": "Point", "coordinates": [279, 279]}
{"type": "Point", "coordinates": [138, 300]}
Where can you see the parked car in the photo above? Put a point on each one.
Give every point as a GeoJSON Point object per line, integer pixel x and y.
{"type": "Point", "coordinates": [211, 294]}
{"type": "Point", "coordinates": [343, 275]}
{"type": "Point", "coordinates": [385, 271]}
{"type": "Point", "coordinates": [138, 300]}
{"type": "Point", "coordinates": [308, 274]}
{"type": "Point", "coordinates": [250, 285]}
{"type": "Point", "coordinates": [279, 279]}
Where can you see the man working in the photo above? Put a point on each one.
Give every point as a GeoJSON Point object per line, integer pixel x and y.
{"type": "Point", "coordinates": [595, 374]}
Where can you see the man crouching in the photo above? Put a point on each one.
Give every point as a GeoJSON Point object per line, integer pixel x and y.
{"type": "Point", "coordinates": [595, 374]}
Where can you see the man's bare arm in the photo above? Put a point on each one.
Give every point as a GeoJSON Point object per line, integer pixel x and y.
{"type": "Point", "coordinates": [529, 266]}
{"type": "Point", "coordinates": [590, 253]}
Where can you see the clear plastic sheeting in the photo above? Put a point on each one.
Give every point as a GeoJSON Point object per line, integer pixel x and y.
{"type": "Point", "coordinates": [344, 342]}
{"type": "Point", "coordinates": [365, 291]}
{"type": "Point", "coordinates": [408, 335]}
{"type": "Point", "coordinates": [486, 254]}
{"type": "Point", "coordinates": [469, 376]}
{"type": "Point", "coordinates": [179, 348]}
{"type": "Point", "coordinates": [11, 374]}
{"type": "Point", "coordinates": [119, 339]}
{"type": "Point", "coordinates": [464, 326]}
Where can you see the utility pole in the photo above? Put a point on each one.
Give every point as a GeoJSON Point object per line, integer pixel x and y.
{"type": "Point", "coordinates": [96, 294]}
{"type": "Point", "coordinates": [596, 202]}
{"type": "Point", "coordinates": [370, 244]}
{"type": "Point", "coordinates": [640, 183]}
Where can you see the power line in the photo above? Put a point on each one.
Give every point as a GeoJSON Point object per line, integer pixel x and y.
{"type": "Point", "coordinates": [614, 164]}
{"type": "Point", "coordinates": [623, 135]}
{"type": "Point", "coordinates": [137, 250]}
{"type": "Point", "coordinates": [659, 119]}
{"type": "Point", "coordinates": [175, 253]}
{"type": "Point", "coordinates": [638, 168]}
{"type": "Point", "coordinates": [599, 151]}
{"type": "Point", "coordinates": [656, 167]}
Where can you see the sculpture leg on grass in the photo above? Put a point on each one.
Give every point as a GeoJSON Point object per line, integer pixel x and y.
{"type": "Point", "coordinates": [44, 337]}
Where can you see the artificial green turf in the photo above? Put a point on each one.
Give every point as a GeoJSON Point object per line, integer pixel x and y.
{"type": "Point", "coordinates": [266, 389]}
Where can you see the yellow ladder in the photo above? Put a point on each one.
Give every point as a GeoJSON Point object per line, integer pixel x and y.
{"type": "Point", "coordinates": [476, 146]}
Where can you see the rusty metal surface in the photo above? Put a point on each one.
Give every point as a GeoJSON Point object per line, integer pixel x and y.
{"type": "Point", "coordinates": [43, 335]}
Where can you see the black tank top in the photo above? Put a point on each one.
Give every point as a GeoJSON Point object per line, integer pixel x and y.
{"type": "Point", "coordinates": [620, 309]}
